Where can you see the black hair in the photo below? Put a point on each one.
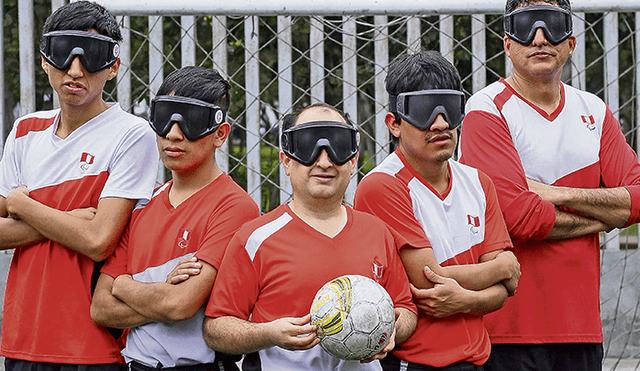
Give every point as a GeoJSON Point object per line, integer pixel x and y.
{"type": "Point", "coordinates": [290, 119]}
{"type": "Point", "coordinates": [512, 5]}
{"type": "Point", "coordinates": [425, 70]}
{"type": "Point", "coordinates": [83, 16]}
{"type": "Point", "coordinates": [199, 83]}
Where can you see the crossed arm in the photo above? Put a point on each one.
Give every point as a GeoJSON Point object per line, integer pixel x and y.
{"type": "Point", "coordinates": [440, 296]}
{"type": "Point", "coordinates": [601, 209]}
{"type": "Point", "coordinates": [123, 302]}
{"type": "Point", "coordinates": [91, 232]}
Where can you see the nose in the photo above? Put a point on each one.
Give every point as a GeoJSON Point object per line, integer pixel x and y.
{"type": "Point", "coordinates": [76, 69]}
{"type": "Point", "coordinates": [324, 161]}
{"type": "Point", "coordinates": [439, 124]}
{"type": "Point", "coordinates": [175, 133]}
{"type": "Point", "coordinates": [539, 38]}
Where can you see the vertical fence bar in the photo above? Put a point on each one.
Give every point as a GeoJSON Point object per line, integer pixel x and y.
{"type": "Point", "coordinates": [578, 58]}
{"type": "Point", "coordinates": [413, 34]}
{"type": "Point", "coordinates": [27, 55]}
{"type": "Point", "coordinates": [55, 4]}
{"type": "Point", "coordinates": [156, 75]}
{"type": "Point", "coordinates": [637, 90]}
{"type": "Point", "coordinates": [446, 37]}
{"type": "Point", "coordinates": [219, 31]}
{"type": "Point", "coordinates": [252, 114]}
{"type": "Point", "coordinates": [381, 46]}
{"type": "Point", "coordinates": [285, 90]}
{"type": "Point", "coordinates": [188, 40]}
{"type": "Point", "coordinates": [350, 85]}
{"type": "Point", "coordinates": [478, 52]}
{"type": "Point", "coordinates": [316, 64]}
{"type": "Point", "coordinates": [124, 73]}
{"type": "Point", "coordinates": [610, 29]}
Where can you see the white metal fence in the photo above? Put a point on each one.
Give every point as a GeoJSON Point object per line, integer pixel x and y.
{"type": "Point", "coordinates": [280, 54]}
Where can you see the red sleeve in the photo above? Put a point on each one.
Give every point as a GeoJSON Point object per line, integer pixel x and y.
{"type": "Point", "coordinates": [496, 235]}
{"type": "Point", "coordinates": [238, 209]}
{"type": "Point", "coordinates": [388, 198]}
{"type": "Point", "coordinates": [236, 287]}
{"type": "Point", "coordinates": [397, 284]}
{"type": "Point", "coordinates": [486, 144]}
{"type": "Point", "coordinates": [619, 163]}
{"type": "Point", "coordinates": [116, 264]}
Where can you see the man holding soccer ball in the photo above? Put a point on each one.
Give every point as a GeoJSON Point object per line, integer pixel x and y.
{"type": "Point", "coordinates": [275, 264]}
{"type": "Point", "coordinates": [563, 173]}
{"type": "Point", "coordinates": [447, 214]}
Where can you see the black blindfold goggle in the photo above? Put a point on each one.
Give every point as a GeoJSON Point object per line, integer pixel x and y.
{"type": "Point", "coordinates": [420, 108]}
{"type": "Point", "coordinates": [96, 52]}
{"type": "Point", "coordinates": [305, 142]}
{"type": "Point", "coordinates": [196, 118]}
{"type": "Point", "coordinates": [521, 24]}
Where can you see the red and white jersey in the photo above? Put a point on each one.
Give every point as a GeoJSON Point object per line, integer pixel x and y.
{"type": "Point", "coordinates": [275, 264]}
{"type": "Point", "coordinates": [579, 145]}
{"type": "Point", "coordinates": [157, 238]}
{"type": "Point", "coordinates": [460, 225]}
{"type": "Point", "coordinates": [48, 293]}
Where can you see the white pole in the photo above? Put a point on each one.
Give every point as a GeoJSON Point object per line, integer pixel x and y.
{"type": "Point", "coordinates": [252, 99]}
{"type": "Point", "coordinates": [27, 57]}
{"type": "Point", "coordinates": [285, 91]}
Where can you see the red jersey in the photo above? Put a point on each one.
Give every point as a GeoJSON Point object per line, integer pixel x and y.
{"type": "Point", "coordinates": [579, 145]}
{"type": "Point", "coordinates": [48, 294]}
{"type": "Point", "coordinates": [460, 225]}
{"type": "Point", "coordinates": [275, 264]}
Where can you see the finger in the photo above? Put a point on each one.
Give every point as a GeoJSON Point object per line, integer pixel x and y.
{"type": "Point", "coordinates": [432, 276]}
{"type": "Point", "coordinates": [178, 278]}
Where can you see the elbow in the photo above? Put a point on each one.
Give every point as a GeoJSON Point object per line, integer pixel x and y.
{"type": "Point", "coordinates": [100, 250]}
{"type": "Point", "coordinates": [98, 316]}
{"type": "Point", "coordinates": [178, 310]}
{"type": "Point", "coordinates": [212, 335]}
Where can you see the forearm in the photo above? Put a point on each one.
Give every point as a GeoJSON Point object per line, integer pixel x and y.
{"type": "Point", "coordinates": [405, 324]}
{"type": "Point", "coordinates": [95, 238]}
{"type": "Point", "coordinates": [152, 300]}
{"type": "Point", "coordinates": [570, 225]}
{"type": "Point", "coordinates": [107, 310]}
{"type": "Point", "coordinates": [488, 300]}
{"type": "Point", "coordinates": [476, 276]}
{"type": "Point", "coordinates": [17, 233]}
{"type": "Point", "coordinates": [236, 336]}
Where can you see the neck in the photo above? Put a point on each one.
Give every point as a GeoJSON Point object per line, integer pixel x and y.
{"type": "Point", "coordinates": [72, 117]}
{"type": "Point", "coordinates": [544, 93]}
{"type": "Point", "coordinates": [326, 217]}
{"type": "Point", "coordinates": [186, 183]}
{"type": "Point", "coordinates": [434, 172]}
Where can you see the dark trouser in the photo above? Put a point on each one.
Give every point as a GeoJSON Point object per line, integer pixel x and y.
{"type": "Point", "coordinates": [217, 366]}
{"type": "Point", "coordinates": [392, 363]}
{"type": "Point", "coordinates": [545, 357]}
{"type": "Point", "coordinates": [20, 365]}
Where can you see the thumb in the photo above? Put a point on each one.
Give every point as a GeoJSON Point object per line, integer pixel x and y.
{"type": "Point", "coordinates": [432, 276]}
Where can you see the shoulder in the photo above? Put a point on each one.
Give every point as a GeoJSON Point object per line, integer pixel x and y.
{"type": "Point", "coordinates": [488, 99]}
{"type": "Point", "coordinates": [37, 121]}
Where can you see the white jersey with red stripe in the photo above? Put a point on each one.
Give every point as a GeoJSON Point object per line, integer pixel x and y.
{"type": "Point", "coordinates": [461, 225]}
{"type": "Point", "coordinates": [275, 264]}
{"type": "Point", "coordinates": [579, 145]}
{"type": "Point", "coordinates": [48, 292]}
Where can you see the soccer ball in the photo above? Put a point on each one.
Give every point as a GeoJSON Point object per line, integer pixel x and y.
{"type": "Point", "coordinates": [354, 316]}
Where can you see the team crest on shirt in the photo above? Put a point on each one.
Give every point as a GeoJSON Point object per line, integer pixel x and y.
{"type": "Point", "coordinates": [86, 159]}
{"type": "Point", "coordinates": [589, 121]}
{"type": "Point", "coordinates": [183, 238]}
{"type": "Point", "coordinates": [377, 270]}
{"type": "Point", "coordinates": [474, 224]}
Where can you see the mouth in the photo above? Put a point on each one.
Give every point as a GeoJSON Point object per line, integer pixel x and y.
{"type": "Point", "coordinates": [73, 86]}
{"type": "Point", "coordinates": [439, 137]}
{"type": "Point", "coordinates": [173, 151]}
{"type": "Point", "coordinates": [541, 54]}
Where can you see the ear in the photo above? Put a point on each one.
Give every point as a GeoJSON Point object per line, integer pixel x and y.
{"type": "Point", "coordinates": [221, 134]}
{"type": "Point", "coordinates": [353, 163]}
{"type": "Point", "coordinates": [572, 43]}
{"type": "Point", "coordinates": [506, 44]}
{"type": "Point", "coordinates": [45, 65]}
{"type": "Point", "coordinates": [113, 69]}
{"type": "Point", "coordinates": [392, 124]}
{"type": "Point", "coordinates": [286, 162]}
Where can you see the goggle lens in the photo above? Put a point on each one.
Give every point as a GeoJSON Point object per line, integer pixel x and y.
{"type": "Point", "coordinates": [96, 52]}
{"type": "Point", "coordinates": [196, 118]}
{"type": "Point", "coordinates": [305, 142]}
{"type": "Point", "coordinates": [421, 108]}
{"type": "Point", "coordinates": [521, 24]}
